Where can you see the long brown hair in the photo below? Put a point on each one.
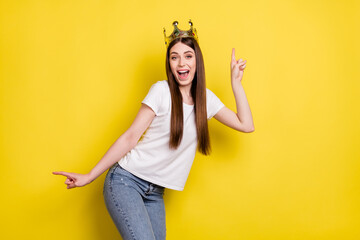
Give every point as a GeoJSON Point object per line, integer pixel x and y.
{"type": "Point", "coordinates": [198, 93]}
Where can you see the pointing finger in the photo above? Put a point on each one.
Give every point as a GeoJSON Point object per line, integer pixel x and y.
{"type": "Point", "coordinates": [233, 55]}
{"type": "Point", "coordinates": [66, 174]}
{"type": "Point", "coordinates": [58, 173]}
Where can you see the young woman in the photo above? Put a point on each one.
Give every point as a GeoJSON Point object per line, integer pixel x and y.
{"type": "Point", "coordinates": [174, 115]}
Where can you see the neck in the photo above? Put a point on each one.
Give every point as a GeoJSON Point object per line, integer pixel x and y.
{"type": "Point", "coordinates": [186, 94]}
{"type": "Point", "coordinates": [185, 90]}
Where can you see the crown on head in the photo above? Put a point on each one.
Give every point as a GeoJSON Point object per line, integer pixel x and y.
{"type": "Point", "coordinates": [177, 33]}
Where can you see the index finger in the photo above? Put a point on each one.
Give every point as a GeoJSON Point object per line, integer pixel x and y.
{"type": "Point", "coordinates": [233, 55]}
{"type": "Point", "coordinates": [66, 174]}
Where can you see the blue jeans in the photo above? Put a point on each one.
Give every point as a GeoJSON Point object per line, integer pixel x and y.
{"type": "Point", "coordinates": [136, 206]}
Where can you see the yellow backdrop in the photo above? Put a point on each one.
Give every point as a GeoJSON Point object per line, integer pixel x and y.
{"type": "Point", "coordinates": [73, 74]}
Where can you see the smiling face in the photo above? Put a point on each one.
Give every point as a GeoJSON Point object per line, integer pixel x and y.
{"type": "Point", "coordinates": [182, 63]}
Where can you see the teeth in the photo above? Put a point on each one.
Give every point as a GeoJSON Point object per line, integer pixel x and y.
{"type": "Point", "coordinates": [183, 71]}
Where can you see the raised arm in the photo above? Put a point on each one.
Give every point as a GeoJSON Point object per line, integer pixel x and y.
{"type": "Point", "coordinates": [242, 120]}
{"type": "Point", "coordinates": [120, 147]}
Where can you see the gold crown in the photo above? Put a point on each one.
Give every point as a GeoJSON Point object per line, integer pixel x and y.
{"type": "Point", "coordinates": [177, 33]}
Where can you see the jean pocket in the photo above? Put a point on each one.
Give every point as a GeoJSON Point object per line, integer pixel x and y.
{"type": "Point", "coordinates": [121, 177]}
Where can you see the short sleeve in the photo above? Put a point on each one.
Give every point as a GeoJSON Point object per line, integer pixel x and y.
{"type": "Point", "coordinates": [213, 104]}
{"type": "Point", "coordinates": [154, 97]}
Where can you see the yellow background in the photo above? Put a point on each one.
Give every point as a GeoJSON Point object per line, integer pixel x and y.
{"type": "Point", "coordinates": [73, 74]}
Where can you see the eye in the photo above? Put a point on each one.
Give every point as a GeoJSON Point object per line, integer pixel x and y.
{"type": "Point", "coordinates": [173, 58]}
{"type": "Point", "coordinates": [189, 56]}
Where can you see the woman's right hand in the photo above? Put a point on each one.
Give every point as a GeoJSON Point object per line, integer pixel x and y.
{"type": "Point", "coordinates": [75, 179]}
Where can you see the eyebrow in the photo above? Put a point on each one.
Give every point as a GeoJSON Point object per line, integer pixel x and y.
{"type": "Point", "coordinates": [184, 52]}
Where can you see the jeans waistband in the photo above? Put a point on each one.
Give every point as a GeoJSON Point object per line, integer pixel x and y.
{"type": "Point", "coordinates": [151, 187]}
{"type": "Point", "coordinates": [155, 188]}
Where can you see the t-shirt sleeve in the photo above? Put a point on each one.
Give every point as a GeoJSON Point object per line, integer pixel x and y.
{"type": "Point", "coordinates": [213, 104]}
{"type": "Point", "coordinates": [154, 97]}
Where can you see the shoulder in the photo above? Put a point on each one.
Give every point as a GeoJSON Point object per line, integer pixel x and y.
{"type": "Point", "coordinates": [209, 94]}
{"type": "Point", "coordinates": [158, 89]}
{"type": "Point", "coordinates": [213, 103]}
{"type": "Point", "coordinates": [158, 97]}
{"type": "Point", "coordinates": [161, 85]}
{"type": "Point", "coordinates": [208, 91]}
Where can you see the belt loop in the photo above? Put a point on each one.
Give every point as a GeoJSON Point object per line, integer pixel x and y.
{"type": "Point", "coordinates": [149, 189]}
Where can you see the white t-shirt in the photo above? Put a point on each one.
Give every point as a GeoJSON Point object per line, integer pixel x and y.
{"type": "Point", "coordinates": [152, 159]}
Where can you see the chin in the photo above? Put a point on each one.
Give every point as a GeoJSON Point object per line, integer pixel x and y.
{"type": "Point", "coordinates": [185, 82]}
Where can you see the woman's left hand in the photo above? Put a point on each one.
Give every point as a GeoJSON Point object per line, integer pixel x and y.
{"type": "Point", "coordinates": [237, 68]}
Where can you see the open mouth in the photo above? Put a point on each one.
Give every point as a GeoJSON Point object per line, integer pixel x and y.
{"type": "Point", "coordinates": [183, 74]}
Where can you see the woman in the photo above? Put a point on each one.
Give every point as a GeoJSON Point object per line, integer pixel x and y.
{"type": "Point", "coordinates": [174, 115]}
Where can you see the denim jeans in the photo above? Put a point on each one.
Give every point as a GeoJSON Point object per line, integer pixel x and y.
{"type": "Point", "coordinates": [136, 206]}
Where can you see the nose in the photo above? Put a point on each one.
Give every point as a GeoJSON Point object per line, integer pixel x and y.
{"type": "Point", "coordinates": [181, 61]}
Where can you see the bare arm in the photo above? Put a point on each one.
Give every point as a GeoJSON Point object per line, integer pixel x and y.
{"type": "Point", "coordinates": [120, 147]}
{"type": "Point", "coordinates": [242, 120]}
